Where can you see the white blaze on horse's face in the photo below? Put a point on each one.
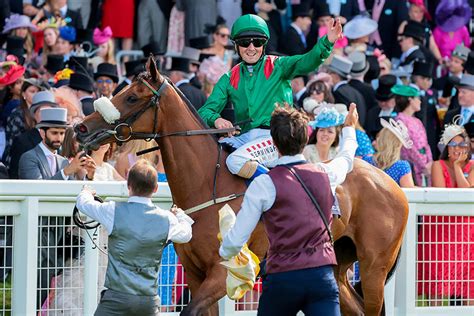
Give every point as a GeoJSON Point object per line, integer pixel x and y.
{"type": "Point", "coordinates": [107, 109]}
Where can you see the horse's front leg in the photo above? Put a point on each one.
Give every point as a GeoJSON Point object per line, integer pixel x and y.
{"type": "Point", "coordinates": [204, 300]}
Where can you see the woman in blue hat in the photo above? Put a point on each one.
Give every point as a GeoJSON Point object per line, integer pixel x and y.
{"type": "Point", "coordinates": [407, 100]}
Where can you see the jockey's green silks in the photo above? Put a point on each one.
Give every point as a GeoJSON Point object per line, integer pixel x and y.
{"type": "Point", "coordinates": [255, 94]}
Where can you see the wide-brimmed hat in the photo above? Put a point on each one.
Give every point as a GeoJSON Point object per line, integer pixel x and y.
{"type": "Point", "coordinates": [201, 42]}
{"type": "Point", "coordinates": [53, 117]}
{"type": "Point", "coordinates": [16, 21]}
{"type": "Point", "coordinates": [12, 75]}
{"type": "Point", "coordinates": [359, 63]}
{"type": "Point", "coordinates": [152, 48]}
{"type": "Point", "coordinates": [423, 69]}
{"type": "Point", "coordinates": [41, 98]}
{"type": "Point", "coordinates": [461, 52]}
{"type": "Point", "coordinates": [102, 36]}
{"type": "Point", "coordinates": [54, 63]}
{"type": "Point", "coordinates": [107, 70]}
{"type": "Point", "coordinates": [467, 82]}
{"type": "Point", "coordinates": [68, 33]}
{"type": "Point", "coordinates": [383, 92]}
{"type": "Point", "coordinates": [180, 64]}
{"type": "Point", "coordinates": [80, 81]}
{"type": "Point", "coordinates": [415, 30]}
{"type": "Point", "coordinates": [451, 15]}
{"type": "Point", "coordinates": [191, 53]}
{"type": "Point", "coordinates": [328, 116]}
{"type": "Point", "coordinates": [360, 26]}
{"type": "Point", "coordinates": [340, 65]}
{"type": "Point", "coordinates": [399, 129]}
{"type": "Point", "coordinates": [405, 91]}
{"type": "Point", "coordinates": [133, 68]}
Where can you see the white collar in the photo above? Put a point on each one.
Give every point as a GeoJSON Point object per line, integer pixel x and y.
{"type": "Point", "coordinates": [283, 160]}
{"type": "Point", "coordinates": [470, 108]}
{"type": "Point", "coordinates": [337, 85]}
{"type": "Point", "coordinates": [300, 93]}
{"type": "Point", "coordinates": [86, 97]}
{"type": "Point", "coordinates": [63, 11]}
{"type": "Point", "coordinates": [183, 81]}
{"type": "Point", "coordinates": [141, 200]}
{"type": "Point", "coordinates": [408, 52]}
{"type": "Point", "coordinates": [46, 151]}
{"type": "Point", "coordinates": [297, 28]}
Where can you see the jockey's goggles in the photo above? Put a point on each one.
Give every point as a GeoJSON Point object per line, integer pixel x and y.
{"type": "Point", "coordinates": [256, 41]}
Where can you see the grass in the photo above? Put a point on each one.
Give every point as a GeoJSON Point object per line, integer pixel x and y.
{"type": "Point", "coordinates": [6, 296]}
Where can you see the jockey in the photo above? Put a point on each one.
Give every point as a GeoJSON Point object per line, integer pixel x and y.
{"type": "Point", "coordinates": [255, 86]}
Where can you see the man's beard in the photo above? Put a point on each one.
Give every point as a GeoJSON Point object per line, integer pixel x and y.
{"type": "Point", "coordinates": [52, 145]}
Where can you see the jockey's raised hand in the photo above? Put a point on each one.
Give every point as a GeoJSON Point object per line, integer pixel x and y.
{"type": "Point", "coordinates": [335, 31]}
{"type": "Point", "coordinates": [352, 117]}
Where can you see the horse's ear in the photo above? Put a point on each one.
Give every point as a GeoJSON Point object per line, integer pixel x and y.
{"type": "Point", "coordinates": [151, 68]}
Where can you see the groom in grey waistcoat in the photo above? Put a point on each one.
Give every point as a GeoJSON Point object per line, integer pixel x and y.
{"type": "Point", "coordinates": [138, 233]}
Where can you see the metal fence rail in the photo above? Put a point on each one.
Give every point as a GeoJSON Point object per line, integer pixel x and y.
{"type": "Point", "coordinates": [44, 255]}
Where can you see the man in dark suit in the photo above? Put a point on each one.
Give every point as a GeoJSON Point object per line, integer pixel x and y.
{"type": "Point", "coordinates": [466, 102]}
{"type": "Point", "coordinates": [456, 68]}
{"type": "Point", "coordinates": [294, 42]}
{"type": "Point", "coordinates": [410, 42]}
{"type": "Point", "coordinates": [84, 89]}
{"type": "Point", "coordinates": [29, 139]}
{"type": "Point", "coordinates": [385, 108]}
{"type": "Point", "coordinates": [360, 66]}
{"type": "Point", "coordinates": [132, 68]}
{"type": "Point", "coordinates": [339, 70]}
{"type": "Point", "coordinates": [298, 86]}
{"type": "Point", "coordinates": [61, 6]}
{"type": "Point", "coordinates": [178, 74]}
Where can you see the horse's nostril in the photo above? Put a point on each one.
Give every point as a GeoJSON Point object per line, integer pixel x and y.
{"type": "Point", "coordinates": [82, 128]}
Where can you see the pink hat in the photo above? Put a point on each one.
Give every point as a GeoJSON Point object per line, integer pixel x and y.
{"type": "Point", "coordinates": [100, 37]}
{"type": "Point", "coordinates": [421, 4]}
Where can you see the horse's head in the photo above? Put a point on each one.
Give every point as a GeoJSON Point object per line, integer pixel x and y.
{"type": "Point", "coordinates": [127, 115]}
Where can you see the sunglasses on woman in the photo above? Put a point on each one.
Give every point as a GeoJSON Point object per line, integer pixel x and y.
{"type": "Point", "coordinates": [245, 42]}
{"type": "Point", "coordinates": [222, 35]}
{"type": "Point", "coordinates": [460, 144]}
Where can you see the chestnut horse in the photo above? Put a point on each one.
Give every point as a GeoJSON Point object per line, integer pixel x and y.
{"type": "Point", "coordinates": [374, 208]}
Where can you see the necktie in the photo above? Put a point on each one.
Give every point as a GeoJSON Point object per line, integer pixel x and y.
{"type": "Point", "coordinates": [466, 115]}
{"type": "Point", "coordinates": [52, 164]}
{"type": "Point", "coordinates": [303, 39]}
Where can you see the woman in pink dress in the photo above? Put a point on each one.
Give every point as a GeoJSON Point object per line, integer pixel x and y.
{"type": "Point", "coordinates": [452, 16]}
{"type": "Point", "coordinates": [419, 155]}
{"type": "Point", "coordinates": [445, 254]}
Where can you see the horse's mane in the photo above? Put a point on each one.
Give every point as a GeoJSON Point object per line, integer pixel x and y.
{"type": "Point", "coordinates": [146, 76]}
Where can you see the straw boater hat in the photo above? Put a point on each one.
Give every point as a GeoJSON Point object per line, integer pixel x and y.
{"type": "Point", "coordinates": [399, 130]}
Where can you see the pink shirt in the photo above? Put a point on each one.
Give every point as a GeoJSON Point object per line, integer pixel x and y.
{"type": "Point", "coordinates": [446, 44]}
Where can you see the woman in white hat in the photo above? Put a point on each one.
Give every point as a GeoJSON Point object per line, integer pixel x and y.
{"type": "Point", "coordinates": [358, 31]}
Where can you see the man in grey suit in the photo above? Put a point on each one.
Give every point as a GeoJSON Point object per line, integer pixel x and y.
{"type": "Point", "coordinates": [43, 162]}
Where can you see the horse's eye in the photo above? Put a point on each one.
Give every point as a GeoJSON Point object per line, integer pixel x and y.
{"type": "Point", "coordinates": [132, 99]}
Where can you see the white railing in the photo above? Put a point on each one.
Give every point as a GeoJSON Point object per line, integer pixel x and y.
{"type": "Point", "coordinates": [28, 201]}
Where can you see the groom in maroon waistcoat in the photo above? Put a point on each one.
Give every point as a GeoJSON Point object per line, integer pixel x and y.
{"type": "Point", "coordinates": [300, 259]}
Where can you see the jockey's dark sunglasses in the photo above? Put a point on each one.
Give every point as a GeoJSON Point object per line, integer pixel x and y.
{"type": "Point", "coordinates": [245, 42]}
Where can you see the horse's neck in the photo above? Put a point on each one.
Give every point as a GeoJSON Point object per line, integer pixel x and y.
{"type": "Point", "coordinates": [189, 161]}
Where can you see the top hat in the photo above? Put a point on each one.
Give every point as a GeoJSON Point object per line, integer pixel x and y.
{"type": "Point", "coordinates": [54, 63]}
{"type": "Point", "coordinates": [300, 10]}
{"type": "Point", "coordinates": [414, 29]}
{"type": "Point", "coordinates": [202, 42]}
{"type": "Point", "coordinates": [80, 81]}
{"type": "Point", "coordinates": [107, 70]}
{"type": "Point", "coordinates": [461, 52]}
{"type": "Point", "coordinates": [15, 46]}
{"type": "Point", "coordinates": [321, 9]}
{"type": "Point", "coordinates": [340, 65]}
{"type": "Point", "coordinates": [78, 63]}
{"type": "Point", "coordinates": [191, 53]}
{"type": "Point", "coordinates": [451, 15]}
{"type": "Point", "coordinates": [152, 48]}
{"type": "Point", "coordinates": [42, 98]}
{"type": "Point", "coordinates": [421, 68]}
{"type": "Point", "coordinates": [179, 64]}
{"type": "Point", "coordinates": [133, 68]}
{"type": "Point", "coordinates": [359, 63]}
{"type": "Point", "coordinates": [467, 82]}
{"type": "Point", "coordinates": [374, 68]}
{"type": "Point", "coordinates": [53, 117]}
{"type": "Point", "coordinates": [383, 92]}
{"type": "Point", "coordinates": [360, 26]}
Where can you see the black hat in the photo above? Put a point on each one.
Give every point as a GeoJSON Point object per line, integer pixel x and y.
{"type": "Point", "coordinates": [133, 68]}
{"type": "Point", "coordinates": [80, 81]}
{"type": "Point", "coordinates": [84, 35]}
{"type": "Point", "coordinates": [321, 9]}
{"type": "Point", "coordinates": [414, 29]}
{"type": "Point", "coordinates": [15, 46]}
{"type": "Point", "coordinates": [107, 70]}
{"type": "Point", "coordinates": [152, 48]}
{"type": "Point", "coordinates": [204, 56]}
{"type": "Point", "coordinates": [78, 63]}
{"type": "Point", "coordinates": [469, 65]}
{"type": "Point", "coordinates": [383, 92]}
{"type": "Point", "coordinates": [374, 69]}
{"type": "Point", "coordinates": [180, 64]}
{"type": "Point", "coordinates": [299, 10]}
{"type": "Point", "coordinates": [423, 69]}
{"type": "Point", "coordinates": [202, 42]}
{"type": "Point", "coordinates": [54, 63]}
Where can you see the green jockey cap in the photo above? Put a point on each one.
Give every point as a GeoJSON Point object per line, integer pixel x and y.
{"type": "Point", "coordinates": [249, 25]}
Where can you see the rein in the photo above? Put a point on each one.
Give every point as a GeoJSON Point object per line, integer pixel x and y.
{"type": "Point", "coordinates": [125, 126]}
